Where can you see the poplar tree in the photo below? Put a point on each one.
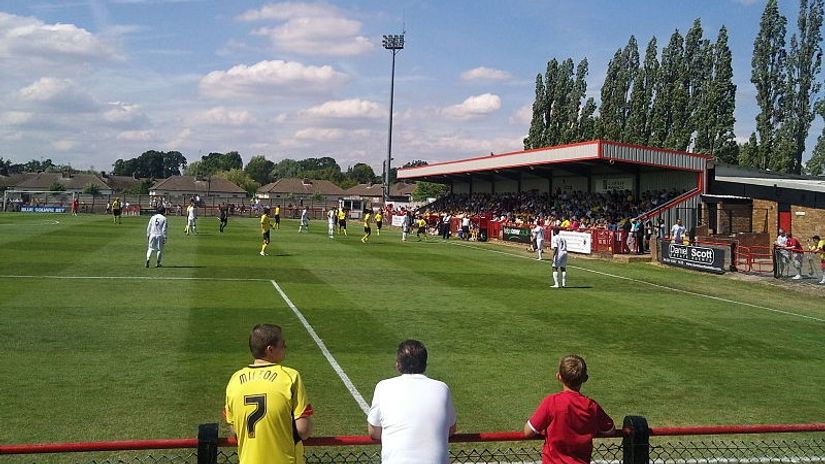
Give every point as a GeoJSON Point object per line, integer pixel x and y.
{"type": "Point", "coordinates": [548, 138]}
{"type": "Point", "coordinates": [639, 118]}
{"type": "Point", "coordinates": [670, 101]}
{"type": "Point", "coordinates": [621, 71]}
{"type": "Point", "coordinates": [802, 86]}
{"type": "Point", "coordinates": [587, 121]}
{"type": "Point", "coordinates": [714, 118]}
{"type": "Point", "coordinates": [570, 131]}
{"type": "Point", "coordinates": [560, 117]}
{"type": "Point", "coordinates": [534, 136]}
{"type": "Point", "coordinates": [816, 165]}
{"type": "Point", "coordinates": [768, 69]}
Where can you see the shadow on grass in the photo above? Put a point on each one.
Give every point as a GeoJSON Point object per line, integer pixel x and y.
{"type": "Point", "coordinates": [182, 267]}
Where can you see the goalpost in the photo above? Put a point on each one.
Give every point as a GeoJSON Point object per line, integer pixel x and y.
{"type": "Point", "coordinates": [47, 200]}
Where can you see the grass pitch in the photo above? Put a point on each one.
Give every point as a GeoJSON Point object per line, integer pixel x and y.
{"type": "Point", "coordinates": [96, 347]}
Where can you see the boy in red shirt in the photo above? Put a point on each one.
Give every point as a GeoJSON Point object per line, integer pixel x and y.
{"type": "Point", "coordinates": [568, 420]}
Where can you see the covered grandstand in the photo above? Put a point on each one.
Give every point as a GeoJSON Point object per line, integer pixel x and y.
{"type": "Point", "coordinates": [596, 166]}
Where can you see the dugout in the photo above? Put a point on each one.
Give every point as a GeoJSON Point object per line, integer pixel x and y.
{"type": "Point", "coordinates": [593, 166]}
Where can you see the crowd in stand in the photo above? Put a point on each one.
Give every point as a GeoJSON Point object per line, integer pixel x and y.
{"type": "Point", "coordinates": [579, 209]}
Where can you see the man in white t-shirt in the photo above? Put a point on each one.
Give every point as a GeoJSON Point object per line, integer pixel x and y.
{"type": "Point", "coordinates": [191, 219]}
{"type": "Point", "coordinates": [677, 232]}
{"type": "Point", "coordinates": [783, 256]}
{"type": "Point", "coordinates": [559, 245]}
{"type": "Point", "coordinates": [331, 218]}
{"type": "Point", "coordinates": [156, 233]}
{"type": "Point", "coordinates": [412, 415]}
{"type": "Point", "coordinates": [465, 227]}
{"type": "Point", "coordinates": [538, 236]}
{"type": "Point", "coordinates": [304, 224]}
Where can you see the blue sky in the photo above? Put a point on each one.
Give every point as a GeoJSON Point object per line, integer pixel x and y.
{"type": "Point", "coordinates": [88, 81]}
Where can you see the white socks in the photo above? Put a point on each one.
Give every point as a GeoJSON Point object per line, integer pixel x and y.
{"type": "Point", "coordinates": [556, 279]}
{"type": "Point", "coordinates": [564, 278]}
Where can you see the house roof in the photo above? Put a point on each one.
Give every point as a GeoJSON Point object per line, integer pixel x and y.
{"type": "Point", "coordinates": [212, 185]}
{"type": "Point", "coordinates": [366, 190]}
{"type": "Point", "coordinates": [44, 180]}
{"type": "Point", "coordinates": [302, 186]}
{"type": "Point", "coordinates": [121, 183]}
{"type": "Point", "coordinates": [10, 182]}
{"type": "Point", "coordinates": [402, 189]}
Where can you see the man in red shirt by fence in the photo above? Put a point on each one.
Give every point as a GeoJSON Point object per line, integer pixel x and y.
{"type": "Point", "coordinates": [568, 420]}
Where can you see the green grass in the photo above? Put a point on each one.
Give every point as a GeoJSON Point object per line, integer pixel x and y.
{"type": "Point", "coordinates": [148, 356]}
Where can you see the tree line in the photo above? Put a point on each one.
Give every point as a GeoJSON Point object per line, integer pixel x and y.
{"type": "Point", "coordinates": [684, 97]}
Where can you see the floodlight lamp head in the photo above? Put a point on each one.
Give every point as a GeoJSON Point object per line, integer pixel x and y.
{"type": "Point", "coordinates": [393, 42]}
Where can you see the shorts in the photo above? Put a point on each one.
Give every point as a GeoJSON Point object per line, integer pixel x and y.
{"type": "Point", "coordinates": [539, 244]}
{"type": "Point", "coordinates": [191, 221]}
{"type": "Point", "coordinates": [560, 260]}
{"type": "Point", "coordinates": [342, 223]}
{"type": "Point", "coordinates": [116, 212]}
{"type": "Point", "coordinates": [367, 230]}
{"type": "Point", "coordinates": [277, 219]}
{"type": "Point", "coordinates": [465, 229]}
{"type": "Point", "coordinates": [379, 224]}
{"type": "Point", "coordinates": [265, 236]}
{"type": "Point", "coordinates": [223, 220]}
{"type": "Point", "coordinates": [156, 243]}
{"type": "Point", "coordinates": [422, 230]}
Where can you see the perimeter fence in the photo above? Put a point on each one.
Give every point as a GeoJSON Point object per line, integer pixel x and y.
{"type": "Point", "coordinates": [635, 443]}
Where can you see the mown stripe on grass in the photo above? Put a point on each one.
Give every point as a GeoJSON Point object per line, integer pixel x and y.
{"type": "Point", "coordinates": [330, 358]}
{"type": "Point", "coordinates": [652, 284]}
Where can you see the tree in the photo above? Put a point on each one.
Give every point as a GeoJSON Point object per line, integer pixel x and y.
{"type": "Point", "coordinates": [548, 138]}
{"type": "Point", "coordinates": [586, 127]}
{"type": "Point", "coordinates": [425, 190]}
{"type": "Point", "coordinates": [92, 189]}
{"type": "Point", "coordinates": [361, 173]}
{"type": "Point", "coordinates": [570, 130]}
{"type": "Point", "coordinates": [668, 94]}
{"type": "Point", "coordinates": [749, 152]}
{"type": "Point", "coordinates": [714, 116]}
{"type": "Point", "coordinates": [641, 98]}
{"type": "Point", "coordinates": [804, 63]}
{"type": "Point", "coordinates": [621, 71]}
{"type": "Point", "coordinates": [260, 169]}
{"type": "Point", "coordinates": [534, 136]}
{"type": "Point", "coordinates": [286, 168]}
{"type": "Point", "coordinates": [56, 186]}
{"type": "Point", "coordinates": [816, 165]}
{"type": "Point", "coordinates": [215, 162]}
{"type": "Point", "coordinates": [151, 164]}
{"type": "Point", "coordinates": [768, 70]}
{"type": "Point", "coordinates": [241, 179]}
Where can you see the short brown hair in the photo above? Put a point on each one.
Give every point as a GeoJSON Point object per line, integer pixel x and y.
{"type": "Point", "coordinates": [264, 335]}
{"type": "Point", "coordinates": [573, 370]}
{"type": "Point", "coordinates": [411, 357]}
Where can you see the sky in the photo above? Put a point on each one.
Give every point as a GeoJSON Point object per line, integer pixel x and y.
{"type": "Point", "coordinates": [85, 82]}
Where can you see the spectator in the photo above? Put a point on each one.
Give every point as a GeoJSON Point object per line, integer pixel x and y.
{"type": "Point", "coordinates": [782, 254]}
{"type": "Point", "coordinates": [677, 232]}
{"type": "Point", "coordinates": [795, 247]}
{"type": "Point", "coordinates": [819, 247]}
{"type": "Point", "coordinates": [412, 415]}
{"type": "Point", "coordinates": [568, 420]}
{"type": "Point", "coordinates": [266, 403]}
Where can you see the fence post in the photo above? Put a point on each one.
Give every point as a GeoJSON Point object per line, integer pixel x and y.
{"type": "Point", "coordinates": [208, 443]}
{"type": "Point", "coordinates": [636, 445]}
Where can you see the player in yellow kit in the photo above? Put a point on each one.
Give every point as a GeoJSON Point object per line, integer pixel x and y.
{"type": "Point", "coordinates": [266, 226]}
{"type": "Point", "coordinates": [379, 221]}
{"type": "Point", "coordinates": [367, 229]}
{"type": "Point", "coordinates": [266, 403]}
{"type": "Point", "coordinates": [342, 221]}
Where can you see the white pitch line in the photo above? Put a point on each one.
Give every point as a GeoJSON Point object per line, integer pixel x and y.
{"type": "Point", "coordinates": [56, 277]}
{"type": "Point", "coordinates": [687, 292]}
{"type": "Point", "coordinates": [331, 359]}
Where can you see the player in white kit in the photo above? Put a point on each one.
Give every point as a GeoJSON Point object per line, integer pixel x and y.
{"type": "Point", "coordinates": [559, 245]}
{"type": "Point", "coordinates": [331, 218]}
{"type": "Point", "coordinates": [156, 233]}
{"type": "Point", "coordinates": [304, 221]}
{"type": "Point", "coordinates": [538, 236]}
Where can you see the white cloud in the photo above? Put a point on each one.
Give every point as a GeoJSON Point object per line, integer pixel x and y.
{"type": "Point", "coordinates": [136, 136]}
{"type": "Point", "coordinates": [344, 109]}
{"type": "Point", "coordinates": [484, 73]}
{"type": "Point", "coordinates": [270, 79]}
{"type": "Point", "coordinates": [61, 95]}
{"type": "Point", "coordinates": [475, 106]}
{"type": "Point", "coordinates": [326, 134]}
{"type": "Point", "coordinates": [281, 118]}
{"type": "Point", "coordinates": [29, 39]}
{"type": "Point", "coordinates": [523, 115]}
{"type": "Point", "coordinates": [124, 113]}
{"type": "Point", "coordinates": [222, 116]}
{"type": "Point", "coordinates": [13, 118]}
{"type": "Point", "coordinates": [310, 29]}
{"type": "Point", "coordinates": [63, 145]}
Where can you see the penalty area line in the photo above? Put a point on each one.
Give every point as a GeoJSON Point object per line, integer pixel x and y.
{"type": "Point", "coordinates": [660, 286]}
{"type": "Point", "coordinates": [356, 395]}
